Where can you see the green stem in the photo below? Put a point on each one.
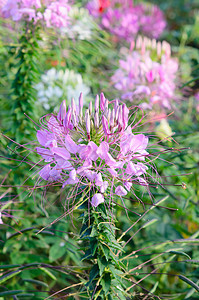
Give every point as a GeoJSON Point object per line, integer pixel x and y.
{"type": "Point", "coordinates": [99, 235]}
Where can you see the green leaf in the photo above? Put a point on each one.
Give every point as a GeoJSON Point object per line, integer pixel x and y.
{"type": "Point", "coordinates": [37, 282]}
{"type": "Point", "coordinates": [149, 223]}
{"type": "Point", "coordinates": [56, 252]}
{"type": "Point", "coordinates": [190, 293]}
{"type": "Point", "coordinates": [10, 293]}
{"type": "Point", "coordinates": [105, 251]}
{"type": "Point", "coordinates": [190, 282]}
{"type": "Point", "coordinates": [48, 273]}
{"type": "Point", "coordinates": [87, 255]}
{"type": "Point", "coordinates": [179, 253]}
{"type": "Point", "coordinates": [102, 264]}
{"type": "Point", "coordinates": [93, 274]}
{"type": "Point", "coordinates": [8, 276]}
{"type": "Point", "coordinates": [106, 283]}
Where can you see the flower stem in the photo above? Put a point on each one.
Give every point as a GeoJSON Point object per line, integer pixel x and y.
{"type": "Point", "coordinates": [100, 245]}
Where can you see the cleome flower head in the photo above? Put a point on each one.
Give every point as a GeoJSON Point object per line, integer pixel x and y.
{"type": "Point", "coordinates": [51, 12]}
{"type": "Point", "coordinates": [95, 148]}
{"type": "Point", "coordinates": [149, 73]}
{"type": "Point", "coordinates": [124, 19]}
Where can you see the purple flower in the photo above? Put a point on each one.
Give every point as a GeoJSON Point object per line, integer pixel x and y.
{"type": "Point", "coordinates": [148, 72]}
{"type": "Point", "coordinates": [108, 155]}
{"type": "Point", "coordinates": [97, 199]}
{"type": "Point", "coordinates": [52, 13]}
{"type": "Point", "coordinates": [125, 20]}
{"type": "Point", "coordinates": [1, 222]}
{"type": "Point", "coordinates": [120, 191]}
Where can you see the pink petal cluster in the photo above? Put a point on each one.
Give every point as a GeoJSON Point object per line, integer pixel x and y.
{"type": "Point", "coordinates": [148, 73]}
{"type": "Point", "coordinates": [52, 13]}
{"type": "Point", "coordinates": [96, 148]}
{"type": "Point", "coordinates": [125, 20]}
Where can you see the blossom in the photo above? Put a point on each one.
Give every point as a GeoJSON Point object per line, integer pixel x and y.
{"type": "Point", "coordinates": [51, 13]}
{"type": "Point", "coordinates": [56, 85]}
{"type": "Point", "coordinates": [102, 155]}
{"type": "Point", "coordinates": [147, 73]}
{"type": "Point", "coordinates": [125, 20]}
{"type": "Point", "coordinates": [97, 199]}
{"type": "Point", "coordinates": [1, 222]}
{"type": "Point", "coordinates": [81, 26]}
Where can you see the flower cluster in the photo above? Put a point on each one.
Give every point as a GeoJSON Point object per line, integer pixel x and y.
{"type": "Point", "coordinates": [56, 85]}
{"type": "Point", "coordinates": [81, 24]}
{"type": "Point", "coordinates": [125, 20]}
{"type": "Point", "coordinates": [96, 148]}
{"type": "Point", "coordinates": [52, 13]}
{"type": "Point", "coordinates": [148, 72]}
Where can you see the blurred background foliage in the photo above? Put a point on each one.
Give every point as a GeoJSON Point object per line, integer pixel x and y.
{"type": "Point", "coordinates": [36, 265]}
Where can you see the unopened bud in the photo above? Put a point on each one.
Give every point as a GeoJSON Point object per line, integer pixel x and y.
{"type": "Point", "coordinates": [97, 104]}
{"type": "Point", "coordinates": [80, 105]}
{"type": "Point", "coordinates": [120, 121]}
{"type": "Point", "coordinates": [112, 118]}
{"type": "Point", "coordinates": [73, 105]}
{"type": "Point", "coordinates": [109, 114]}
{"type": "Point", "coordinates": [87, 121]}
{"type": "Point", "coordinates": [105, 125]}
{"type": "Point", "coordinates": [90, 107]}
{"type": "Point", "coordinates": [106, 104]}
{"type": "Point", "coordinates": [102, 101]}
{"type": "Point", "coordinates": [67, 118]}
{"type": "Point", "coordinates": [125, 113]}
{"type": "Point", "coordinates": [116, 114]}
{"type": "Point", "coordinates": [74, 119]}
{"type": "Point", "coordinates": [62, 111]}
{"type": "Point", "coordinates": [96, 120]}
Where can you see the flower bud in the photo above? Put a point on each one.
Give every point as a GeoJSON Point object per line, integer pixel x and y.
{"type": "Point", "coordinates": [80, 105]}
{"type": "Point", "coordinates": [87, 121]}
{"type": "Point", "coordinates": [97, 104]}
{"type": "Point", "coordinates": [112, 118]}
{"type": "Point", "coordinates": [125, 113]}
{"type": "Point", "coordinates": [90, 107]}
{"type": "Point", "coordinates": [73, 105]}
{"type": "Point", "coordinates": [96, 120]}
{"type": "Point", "coordinates": [105, 125]}
{"type": "Point", "coordinates": [102, 101]}
{"type": "Point", "coordinates": [106, 104]}
{"type": "Point", "coordinates": [62, 111]}
{"type": "Point", "coordinates": [120, 119]}
{"type": "Point", "coordinates": [67, 118]}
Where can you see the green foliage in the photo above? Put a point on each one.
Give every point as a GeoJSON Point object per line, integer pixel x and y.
{"type": "Point", "coordinates": [99, 233]}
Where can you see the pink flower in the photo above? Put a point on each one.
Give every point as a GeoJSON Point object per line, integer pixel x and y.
{"type": "Point", "coordinates": [53, 13]}
{"type": "Point", "coordinates": [97, 199]}
{"type": "Point", "coordinates": [1, 222]}
{"type": "Point", "coordinates": [125, 20]}
{"type": "Point", "coordinates": [148, 72]}
{"type": "Point", "coordinates": [107, 156]}
{"type": "Point", "coordinates": [120, 191]}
